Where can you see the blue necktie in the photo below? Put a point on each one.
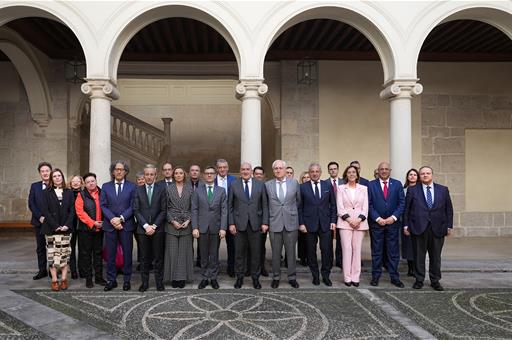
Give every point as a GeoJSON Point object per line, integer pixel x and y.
{"type": "Point", "coordinates": [118, 191]}
{"type": "Point", "coordinates": [429, 198]}
{"type": "Point", "coordinates": [246, 189]}
{"type": "Point", "coordinates": [317, 194]}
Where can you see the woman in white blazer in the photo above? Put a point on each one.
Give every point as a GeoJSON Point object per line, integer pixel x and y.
{"type": "Point", "coordinates": [352, 203]}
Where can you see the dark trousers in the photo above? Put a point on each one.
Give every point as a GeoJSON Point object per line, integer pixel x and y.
{"type": "Point", "coordinates": [338, 252]}
{"type": "Point", "coordinates": [302, 247]}
{"type": "Point", "coordinates": [247, 242]}
{"type": "Point", "coordinates": [427, 242]}
{"type": "Point", "coordinates": [325, 239]}
{"type": "Point", "coordinates": [126, 240]}
{"type": "Point", "coordinates": [385, 244]}
{"type": "Point", "coordinates": [40, 249]}
{"type": "Point", "coordinates": [263, 251]}
{"type": "Point", "coordinates": [72, 259]}
{"type": "Point", "coordinates": [152, 247]}
{"type": "Point", "coordinates": [230, 243]}
{"type": "Point", "coordinates": [90, 245]}
{"type": "Point", "coordinates": [209, 245]}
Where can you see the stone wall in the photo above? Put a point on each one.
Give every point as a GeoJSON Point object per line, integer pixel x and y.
{"type": "Point", "coordinates": [299, 120]}
{"type": "Point", "coordinates": [444, 121]}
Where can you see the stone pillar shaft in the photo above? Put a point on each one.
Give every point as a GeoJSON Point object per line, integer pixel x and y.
{"type": "Point", "coordinates": [250, 93]}
{"type": "Point", "coordinates": [399, 94]}
{"type": "Point", "coordinates": [101, 93]}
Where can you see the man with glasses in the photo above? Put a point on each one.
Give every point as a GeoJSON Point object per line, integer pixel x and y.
{"type": "Point", "coordinates": [209, 224]}
{"type": "Point", "coordinates": [118, 223]}
{"type": "Point", "coordinates": [167, 173]}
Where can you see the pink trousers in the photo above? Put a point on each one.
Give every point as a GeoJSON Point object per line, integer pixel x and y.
{"type": "Point", "coordinates": [351, 243]}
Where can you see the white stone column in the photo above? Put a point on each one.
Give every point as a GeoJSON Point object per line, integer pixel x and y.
{"type": "Point", "coordinates": [101, 93]}
{"type": "Point", "coordinates": [250, 93]}
{"type": "Point", "coordinates": [399, 94]}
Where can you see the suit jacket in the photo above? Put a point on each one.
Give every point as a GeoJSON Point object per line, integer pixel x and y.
{"type": "Point", "coordinates": [317, 213]}
{"type": "Point", "coordinates": [364, 181]}
{"type": "Point", "coordinates": [418, 216]}
{"type": "Point", "coordinates": [35, 201]}
{"type": "Point", "coordinates": [348, 207]}
{"type": "Point", "coordinates": [114, 206]}
{"type": "Point", "coordinates": [230, 179]}
{"type": "Point", "coordinates": [243, 210]}
{"type": "Point", "coordinates": [283, 215]}
{"type": "Point", "coordinates": [209, 217]}
{"type": "Point", "coordinates": [384, 208]}
{"type": "Point", "coordinates": [150, 214]}
{"type": "Point", "coordinates": [57, 214]}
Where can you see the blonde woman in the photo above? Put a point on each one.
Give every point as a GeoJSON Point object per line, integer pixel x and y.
{"type": "Point", "coordinates": [76, 184]}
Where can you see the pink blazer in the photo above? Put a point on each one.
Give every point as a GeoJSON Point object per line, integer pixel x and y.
{"type": "Point", "coordinates": [359, 206]}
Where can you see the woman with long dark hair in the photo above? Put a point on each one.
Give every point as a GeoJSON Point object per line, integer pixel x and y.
{"type": "Point", "coordinates": [411, 179]}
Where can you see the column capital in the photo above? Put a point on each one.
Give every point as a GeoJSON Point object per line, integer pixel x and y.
{"type": "Point", "coordinates": [100, 88]}
{"type": "Point", "coordinates": [401, 88]}
{"type": "Point", "coordinates": [250, 89]}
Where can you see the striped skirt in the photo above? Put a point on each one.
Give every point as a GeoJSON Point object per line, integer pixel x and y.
{"type": "Point", "coordinates": [58, 249]}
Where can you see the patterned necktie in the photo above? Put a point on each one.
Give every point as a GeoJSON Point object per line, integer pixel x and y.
{"type": "Point", "coordinates": [429, 198]}
{"type": "Point", "coordinates": [246, 189]}
{"type": "Point", "coordinates": [150, 193]}
{"type": "Point", "coordinates": [317, 193]}
{"type": "Point", "coordinates": [210, 194]}
{"type": "Point", "coordinates": [334, 186]}
{"type": "Point", "coordinates": [281, 192]}
{"type": "Point", "coordinates": [118, 191]}
{"type": "Point", "coordinates": [385, 190]}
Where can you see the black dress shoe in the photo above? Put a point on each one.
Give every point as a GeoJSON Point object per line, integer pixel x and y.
{"type": "Point", "coordinates": [294, 283]}
{"type": "Point", "coordinates": [110, 285]}
{"type": "Point", "coordinates": [239, 282]}
{"type": "Point", "coordinates": [355, 284]}
{"type": "Point", "coordinates": [264, 272]}
{"type": "Point", "coordinates": [40, 275]}
{"type": "Point", "coordinates": [215, 284]}
{"type": "Point", "coordinates": [348, 284]}
{"type": "Point", "coordinates": [374, 282]}
{"type": "Point", "coordinates": [126, 286]}
{"type": "Point", "coordinates": [437, 286]}
{"type": "Point", "coordinates": [327, 281]}
{"type": "Point", "coordinates": [256, 284]}
{"type": "Point", "coordinates": [398, 284]}
{"type": "Point", "coordinates": [316, 281]}
{"type": "Point", "coordinates": [182, 284]}
{"type": "Point", "coordinates": [198, 263]}
{"type": "Point", "coordinates": [138, 268]}
{"type": "Point", "coordinates": [143, 287]}
{"type": "Point", "coordinates": [417, 285]}
{"type": "Point", "coordinates": [203, 284]}
{"type": "Point", "coordinates": [231, 272]}
{"type": "Point", "coordinates": [303, 262]}
{"type": "Point", "coordinates": [100, 281]}
{"type": "Point", "coordinates": [74, 275]}
{"type": "Point", "coordinates": [174, 284]}
{"type": "Point", "coordinates": [88, 282]}
{"type": "Point", "coordinates": [274, 284]}
{"type": "Point", "coordinates": [247, 273]}
{"type": "Point", "coordinates": [160, 287]}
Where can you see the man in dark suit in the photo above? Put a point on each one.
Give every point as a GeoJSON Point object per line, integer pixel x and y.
{"type": "Point", "coordinates": [209, 223]}
{"type": "Point", "coordinates": [118, 223]}
{"type": "Point", "coordinates": [334, 181]}
{"type": "Point", "coordinates": [224, 180]}
{"type": "Point", "coordinates": [317, 218]}
{"type": "Point", "coordinates": [362, 180]}
{"type": "Point", "coordinates": [150, 208]}
{"type": "Point", "coordinates": [259, 173]}
{"type": "Point", "coordinates": [35, 201]}
{"type": "Point", "coordinates": [194, 173]}
{"type": "Point", "coordinates": [166, 173]}
{"type": "Point", "coordinates": [386, 204]}
{"type": "Point", "coordinates": [428, 218]}
{"type": "Point", "coordinates": [248, 214]}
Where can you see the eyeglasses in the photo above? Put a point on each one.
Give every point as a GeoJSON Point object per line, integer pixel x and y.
{"type": "Point", "coordinates": [119, 169]}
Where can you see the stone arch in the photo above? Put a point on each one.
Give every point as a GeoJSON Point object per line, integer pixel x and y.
{"type": "Point", "coordinates": [148, 15]}
{"type": "Point", "coordinates": [497, 15]}
{"type": "Point", "coordinates": [350, 13]}
{"type": "Point", "coordinates": [31, 72]}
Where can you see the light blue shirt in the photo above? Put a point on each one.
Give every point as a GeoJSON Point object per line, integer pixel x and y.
{"type": "Point", "coordinates": [431, 191]}
{"type": "Point", "coordinates": [284, 187]}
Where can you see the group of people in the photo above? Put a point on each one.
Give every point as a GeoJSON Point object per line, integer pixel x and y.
{"type": "Point", "coordinates": [166, 216]}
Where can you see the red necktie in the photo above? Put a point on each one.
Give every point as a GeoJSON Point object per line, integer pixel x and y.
{"type": "Point", "coordinates": [334, 187]}
{"type": "Point", "coordinates": [385, 190]}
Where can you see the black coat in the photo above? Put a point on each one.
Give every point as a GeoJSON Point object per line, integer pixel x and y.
{"type": "Point", "coordinates": [154, 214]}
{"type": "Point", "coordinates": [57, 214]}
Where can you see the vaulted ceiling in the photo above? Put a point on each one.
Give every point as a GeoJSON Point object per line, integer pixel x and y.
{"type": "Point", "coordinates": [181, 39]}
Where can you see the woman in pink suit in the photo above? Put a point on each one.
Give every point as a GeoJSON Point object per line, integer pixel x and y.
{"type": "Point", "coordinates": [352, 202]}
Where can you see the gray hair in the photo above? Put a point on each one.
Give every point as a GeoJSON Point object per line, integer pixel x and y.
{"type": "Point", "coordinates": [150, 166]}
{"type": "Point", "coordinates": [278, 161]}
{"type": "Point", "coordinates": [246, 163]}
{"type": "Point", "coordinates": [313, 165]}
{"type": "Point", "coordinates": [220, 161]}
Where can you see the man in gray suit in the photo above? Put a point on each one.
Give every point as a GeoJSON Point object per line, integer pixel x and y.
{"type": "Point", "coordinates": [248, 214]}
{"type": "Point", "coordinates": [283, 200]}
{"type": "Point", "coordinates": [209, 222]}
